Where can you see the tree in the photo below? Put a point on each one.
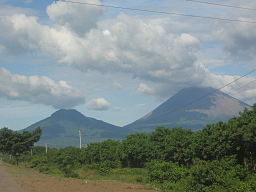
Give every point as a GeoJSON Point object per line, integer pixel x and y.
{"type": "Point", "coordinates": [136, 150]}
{"type": "Point", "coordinates": [172, 145]}
{"type": "Point", "coordinates": [236, 138]}
{"type": "Point", "coordinates": [108, 150]}
{"type": "Point", "coordinates": [216, 175]}
{"type": "Point", "coordinates": [15, 143]}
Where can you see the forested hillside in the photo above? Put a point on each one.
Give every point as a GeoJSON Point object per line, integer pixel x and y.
{"type": "Point", "coordinates": [219, 158]}
{"type": "Point", "coordinates": [62, 127]}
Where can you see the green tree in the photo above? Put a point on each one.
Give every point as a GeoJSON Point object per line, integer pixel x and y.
{"type": "Point", "coordinates": [67, 160]}
{"type": "Point", "coordinates": [215, 141]}
{"type": "Point", "coordinates": [137, 150]}
{"type": "Point", "coordinates": [236, 138]}
{"type": "Point", "coordinates": [172, 145]}
{"type": "Point", "coordinates": [15, 143]}
{"type": "Point", "coordinates": [162, 172]}
{"type": "Point", "coordinates": [221, 174]}
{"type": "Point", "coordinates": [108, 150]}
{"type": "Point", "coordinates": [244, 131]}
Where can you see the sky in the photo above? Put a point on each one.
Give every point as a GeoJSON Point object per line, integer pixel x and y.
{"type": "Point", "coordinates": [117, 65]}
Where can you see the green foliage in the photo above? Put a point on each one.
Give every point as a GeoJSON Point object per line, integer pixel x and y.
{"type": "Point", "coordinates": [15, 143]}
{"type": "Point", "coordinates": [38, 161]}
{"type": "Point", "coordinates": [222, 173]}
{"type": "Point", "coordinates": [172, 145]}
{"type": "Point", "coordinates": [162, 172]}
{"type": "Point", "coordinates": [108, 150]}
{"type": "Point", "coordinates": [104, 167]}
{"type": "Point", "coordinates": [136, 150]}
{"type": "Point", "coordinates": [67, 160]}
{"type": "Point", "coordinates": [6, 140]}
{"type": "Point", "coordinates": [237, 138]}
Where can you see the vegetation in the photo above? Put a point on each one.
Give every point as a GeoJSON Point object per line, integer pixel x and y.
{"type": "Point", "coordinates": [15, 144]}
{"type": "Point", "coordinates": [220, 157]}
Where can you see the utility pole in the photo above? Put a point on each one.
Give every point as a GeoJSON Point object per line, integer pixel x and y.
{"type": "Point", "coordinates": [80, 138]}
{"type": "Point", "coordinates": [46, 148]}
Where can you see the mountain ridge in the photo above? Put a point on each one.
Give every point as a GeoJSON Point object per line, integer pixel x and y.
{"type": "Point", "coordinates": [190, 108]}
{"type": "Point", "coordinates": [61, 129]}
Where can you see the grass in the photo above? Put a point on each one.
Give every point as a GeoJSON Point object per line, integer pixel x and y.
{"type": "Point", "coordinates": [21, 170]}
{"type": "Point", "coordinates": [129, 175]}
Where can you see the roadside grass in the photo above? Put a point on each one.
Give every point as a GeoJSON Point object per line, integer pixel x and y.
{"type": "Point", "coordinates": [129, 175]}
{"type": "Point", "coordinates": [126, 175]}
{"type": "Point", "coordinates": [22, 170]}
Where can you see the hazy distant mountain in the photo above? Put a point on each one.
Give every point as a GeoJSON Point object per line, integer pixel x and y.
{"type": "Point", "coordinates": [190, 108]}
{"type": "Point", "coordinates": [61, 129]}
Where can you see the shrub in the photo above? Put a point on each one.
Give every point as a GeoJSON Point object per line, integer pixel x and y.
{"type": "Point", "coordinates": [161, 172]}
{"type": "Point", "coordinates": [217, 175]}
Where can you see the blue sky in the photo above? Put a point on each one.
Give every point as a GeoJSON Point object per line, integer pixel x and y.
{"type": "Point", "coordinates": [117, 65]}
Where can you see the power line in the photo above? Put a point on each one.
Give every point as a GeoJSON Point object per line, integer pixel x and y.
{"type": "Point", "coordinates": [159, 12]}
{"type": "Point", "coordinates": [237, 79]}
{"type": "Point", "coordinates": [222, 5]}
{"type": "Point", "coordinates": [244, 86]}
{"type": "Point", "coordinates": [249, 82]}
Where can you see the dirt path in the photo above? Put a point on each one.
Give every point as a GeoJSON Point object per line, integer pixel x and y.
{"type": "Point", "coordinates": [7, 182]}
{"type": "Point", "coordinates": [30, 180]}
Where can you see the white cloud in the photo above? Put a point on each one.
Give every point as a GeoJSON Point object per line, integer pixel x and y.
{"type": "Point", "coordinates": [144, 88]}
{"type": "Point", "coordinates": [77, 17]}
{"type": "Point", "coordinates": [240, 41]}
{"type": "Point", "coordinates": [38, 89]}
{"type": "Point", "coordinates": [11, 10]}
{"type": "Point", "coordinates": [140, 47]}
{"type": "Point", "coordinates": [98, 104]}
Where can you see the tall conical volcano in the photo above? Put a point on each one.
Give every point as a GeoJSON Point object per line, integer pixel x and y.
{"type": "Point", "coordinates": [191, 108]}
{"type": "Point", "coordinates": [62, 127]}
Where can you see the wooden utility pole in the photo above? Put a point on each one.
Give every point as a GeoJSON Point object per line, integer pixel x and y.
{"type": "Point", "coordinates": [46, 148]}
{"type": "Point", "coordinates": [80, 139]}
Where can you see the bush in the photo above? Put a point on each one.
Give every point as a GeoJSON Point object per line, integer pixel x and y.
{"type": "Point", "coordinates": [104, 167]}
{"type": "Point", "coordinates": [44, 169]}
{"type": "Point", "coordinates": [38, 161]}
{"type": "Point", "coordinates": [161, 172]}
{"type": "Point", "coordinates": [217, 175]}
{"type": "Point", "coordinates": [68, 172]}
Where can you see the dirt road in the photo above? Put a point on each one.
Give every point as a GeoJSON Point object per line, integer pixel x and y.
{"type": "Point", "coordinates": [13, 179]}
{"type": "Point", "coordinates": [7, 182]}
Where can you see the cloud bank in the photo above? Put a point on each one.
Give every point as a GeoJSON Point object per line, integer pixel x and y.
{"type": "Point", "coordinates": [38, 89]}
{"type": "Point", "coordinates": [144, 48]}
{"type": "Point", "coordinates": [78, 18]}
